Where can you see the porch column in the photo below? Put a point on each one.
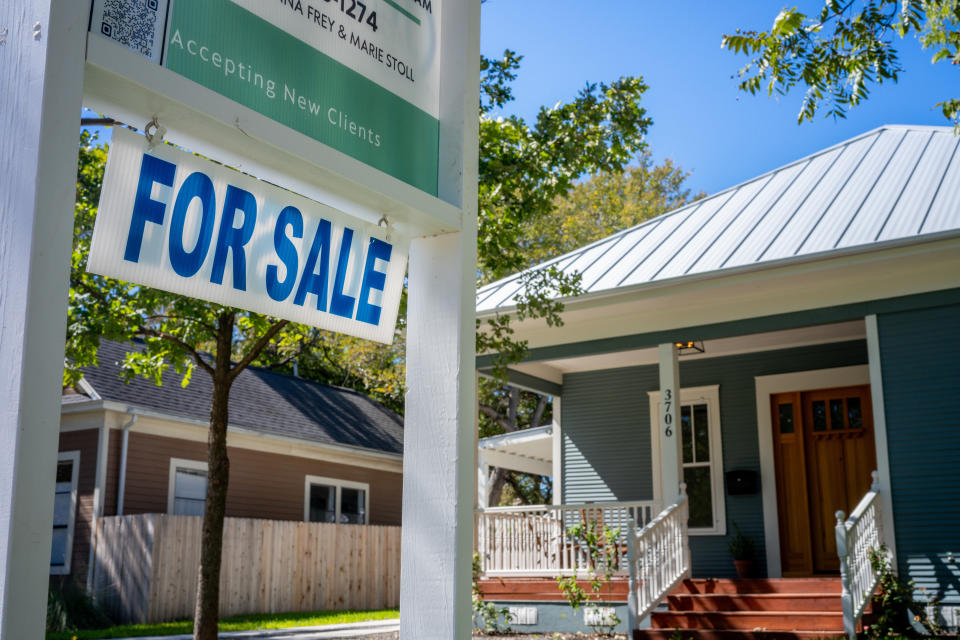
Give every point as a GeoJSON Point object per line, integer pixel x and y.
{"type": "Point", "coordinates": [669, 423]}
{"type": "Point", "coordinates": [483, 482]}
{"type": "Point", "coordinates": [557, 461]}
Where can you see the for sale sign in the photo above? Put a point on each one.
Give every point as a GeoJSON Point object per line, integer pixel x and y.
{"type": "Point", "coordinates": [361, 76]}
{"type": "Point", "coordinates": [174, 221]}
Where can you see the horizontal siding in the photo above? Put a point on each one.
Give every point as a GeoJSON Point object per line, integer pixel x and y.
{"type": "Point", "coordinates": [920, 351]}
{"type": "Point", "coordinates": [606, 433]}
{"type": "Point", "coordinates": [262, 485]}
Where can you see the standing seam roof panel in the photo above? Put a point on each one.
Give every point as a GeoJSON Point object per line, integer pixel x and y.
{"type": "Point", "coordinates": [715, 255]}
{"type": "Point", "coordinates": [849, 201]}
{"type": "Point", "coordinates": [646, 250]}
{"type": "Point", "coordinates": [765, 232]}
{"type": "Point", "coordinates": [922, 188]}
{"type": "Point", "coordinates": [945, 210]}
{"type": "Point", "coordinates": [883, 196]}
{"type": "Point", "coordinates": [794, 232]}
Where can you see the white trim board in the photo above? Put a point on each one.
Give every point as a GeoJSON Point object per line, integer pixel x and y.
{"type": "Point", "coordinates": [709, 395]}
{"type": "Point", "coordinates": [74, 458]}
{"type": "Point", "coordinates": [180, 463]}
{"type": "Point", "coordinates": [782, 383]}
{"type": "Point", "coordinates": [880, 435]}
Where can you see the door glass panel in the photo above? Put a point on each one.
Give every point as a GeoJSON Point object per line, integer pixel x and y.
{"type": "Point", "coordinates": [61, 509]}
{"type": "Point", "coordinates": [189, 492]}
{"type": "Point", "coordinates": [854, 413]}
{"type": "Point", "coordinates": [819, 415]}
{"type": "Point", "coordinates": [58, 551]}
{"type": "Point", "coordinates": [836, 413]}
{"type": "Point", "coordinates": [353, 506]}
{"type": "Point", "coordinates": [700, 496]}
{"type": "Point", "coordinates": [786, 417]}
{"type": "Point", "coordinates": [323, 503]}
{"type": "Point", "coordinates": [686, 437]}
{"type": "Point", "coordinates": [701, 434]}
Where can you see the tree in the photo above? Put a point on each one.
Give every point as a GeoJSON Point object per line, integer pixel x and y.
{"type": "Point", "coordinates": [177, 332]}
{"type": "Point", "coordinates": [847, 47]}
{"type": "Point", "coordinates": [605, 204]}
{"type": "Point", "coordinates": [592, 209]}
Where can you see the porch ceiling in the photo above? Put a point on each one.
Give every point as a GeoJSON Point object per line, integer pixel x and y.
{"type": "Point", "coordinates": [553, 370]}
{"type": "Point", "coordinates": [528, 451]}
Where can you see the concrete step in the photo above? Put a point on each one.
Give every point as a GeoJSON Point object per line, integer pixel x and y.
{"type": "Point", "coordinates": [754, 602]}
{"type": "Point", "coordinates": [823, 621]}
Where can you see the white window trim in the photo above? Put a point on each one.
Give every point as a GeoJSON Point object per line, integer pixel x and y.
{"type": "Point", "coordinates": [709, 395]}
{"type": "Point", "coordinates": [339, 484]}
{"type": "Point", "coordinates": [74, 457]}
{"type": "Point", "coordinates": [180, 463]}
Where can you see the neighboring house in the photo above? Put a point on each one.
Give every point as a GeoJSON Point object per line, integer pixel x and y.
{"type": "Point", "coordinates": [299, 450]}
{"type": "Point", "coordinates": [822, 300]}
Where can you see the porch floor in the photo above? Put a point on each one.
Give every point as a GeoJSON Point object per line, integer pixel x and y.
{"type": "Point", "coordinates": [543, 589]}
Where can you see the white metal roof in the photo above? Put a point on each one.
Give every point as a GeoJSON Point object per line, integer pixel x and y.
{"type": "Point", "coordinates": [528, 450]}
{"type": "Point", "coordinates": [889, 185]}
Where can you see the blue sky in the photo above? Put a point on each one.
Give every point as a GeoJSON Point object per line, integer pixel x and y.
{"type": "Point", "coordinates": [699, 118]}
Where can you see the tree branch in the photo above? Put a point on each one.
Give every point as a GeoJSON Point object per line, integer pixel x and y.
{"type": "Point", "coordinates": [493, 414]}
{"type": "Point", "coordinates": [203, 324]}
{"type": "Point", "coordinates": [538, 412]}
{"type": "Point", "coordinates": [257, 348]}
{"type": "Point", "coordinates": [146, 331]}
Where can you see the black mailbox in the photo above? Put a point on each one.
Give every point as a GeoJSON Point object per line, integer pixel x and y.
{"type": "Point", "coordinates": [741, 482]}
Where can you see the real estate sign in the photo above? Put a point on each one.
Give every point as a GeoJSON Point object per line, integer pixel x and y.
{"type": "Point", "coordinates": [361, 76]}
{"type": "Point", "coordinates": [174, 221]}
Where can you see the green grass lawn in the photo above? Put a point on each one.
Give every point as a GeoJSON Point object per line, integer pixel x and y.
{"type": "Point", "coordinates": [236, 623]}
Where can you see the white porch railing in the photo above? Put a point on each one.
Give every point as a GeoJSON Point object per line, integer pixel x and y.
{"type": "Point", "coordinates": [533, 541]}
{"type": "Point", "coordinates": [659, 557]}
{"type": "Point", "coordinates": [856, 537]}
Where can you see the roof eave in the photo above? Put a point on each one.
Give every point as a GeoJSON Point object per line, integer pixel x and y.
{"type": "Point", "coordinates": [807, 259]}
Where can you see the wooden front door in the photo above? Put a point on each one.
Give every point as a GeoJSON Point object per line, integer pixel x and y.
{"type": "Point", "coordinates": [824, 450]}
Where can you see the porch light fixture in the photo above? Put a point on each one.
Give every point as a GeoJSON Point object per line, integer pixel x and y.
{"type": "Point", "coordinates": [688, 347]}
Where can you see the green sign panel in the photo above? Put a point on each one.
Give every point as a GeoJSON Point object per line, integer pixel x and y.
{"type": "Point", "coordinates": [283, 74]}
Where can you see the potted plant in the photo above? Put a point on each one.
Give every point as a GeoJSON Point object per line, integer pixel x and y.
{"type": "Point", "coordinates": [741, 548]}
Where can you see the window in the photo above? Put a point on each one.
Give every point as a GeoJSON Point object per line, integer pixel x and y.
{"type": "Point", "coordinates": [187, 488]}
{"type": "Point", "coordinates": [330, 500]}
{"type": "Point", "coordinates": [64, 511]}
{"type": "Point", "coordinates": [700, 456]}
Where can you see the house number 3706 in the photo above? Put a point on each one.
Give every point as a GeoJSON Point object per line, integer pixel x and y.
{"type": "Point", "coordinates": [667, 416]}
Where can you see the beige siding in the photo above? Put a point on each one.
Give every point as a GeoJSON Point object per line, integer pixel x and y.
{"type": "Point", "coordinates": [262, 485]}
{"type": "Point", "coordinates": [86, 443]}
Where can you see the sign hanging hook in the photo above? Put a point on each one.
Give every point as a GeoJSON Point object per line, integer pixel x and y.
{"type": "Point", "coordinates": [154, 132]}
{"type": "Point", "coordinates": [385, 222]}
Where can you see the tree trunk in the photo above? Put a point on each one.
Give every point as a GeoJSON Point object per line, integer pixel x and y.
{"type": "Point", "coordinates": [218, 475]}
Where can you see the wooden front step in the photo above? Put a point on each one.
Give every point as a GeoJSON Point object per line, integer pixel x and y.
{"type": "Point", "coordinates": [715, 634]}
{"type": "Point", "coordinates": [754, 602]}
{"type": "Point", "coordinates": [761, 585]}
{"type": "Point", "coordinates": [744, 609]}
{"type": "Point", "coordinates": [824, 621]}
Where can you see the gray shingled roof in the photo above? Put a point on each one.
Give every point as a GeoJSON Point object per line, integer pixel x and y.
{"type": "Point", "coordinates": [260, 400]}
{"type": "Point", "coordinates": [895, 183]}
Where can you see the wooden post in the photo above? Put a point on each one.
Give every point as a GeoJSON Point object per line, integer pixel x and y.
{"type": "Point", "coordinates": [439, 448]}
{"type": "Point", "coordinates": [41, 64]}
{"type": "Point", "coordinates": [557, 444]}
{"type": "Point", "coordinates": [669, 423]}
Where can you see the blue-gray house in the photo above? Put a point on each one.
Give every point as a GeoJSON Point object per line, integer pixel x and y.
{"type": "Point", "coordinates": [808, 322]}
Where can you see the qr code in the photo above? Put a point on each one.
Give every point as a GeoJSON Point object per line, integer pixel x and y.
{"type": "Point", "coordinates": [136, 24]}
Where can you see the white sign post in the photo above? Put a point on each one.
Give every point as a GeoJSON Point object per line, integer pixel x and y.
{"type": "Point", "coordinates": [41, 70]}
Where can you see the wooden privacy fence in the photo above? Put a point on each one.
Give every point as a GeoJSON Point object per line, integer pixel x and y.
{"type": "Point", "coordinates": [146, 566]}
